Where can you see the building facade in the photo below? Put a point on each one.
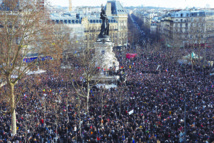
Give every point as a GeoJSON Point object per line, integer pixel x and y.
{"type": "Point", "coordinates": [87, 26]}
{"type": "Point", "coordinates": [187, 27]}
{"type": "Point", "coordinates": [92, 27]}
{"type": "Point", "coordinates": [115, 10]}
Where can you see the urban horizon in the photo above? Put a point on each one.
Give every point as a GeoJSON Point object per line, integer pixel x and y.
{"type": "Point", "coordinates": [152, 3]}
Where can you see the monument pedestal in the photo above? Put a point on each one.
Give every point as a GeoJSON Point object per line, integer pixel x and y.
{"type": "Point", "coordinates": [106, 60]}
{"type": "Point", "coordinates": [104, 56]}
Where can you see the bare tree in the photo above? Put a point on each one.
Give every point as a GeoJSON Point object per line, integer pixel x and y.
{"type": "Point", "coordinates": [83, 70]}
{"type": "Point", "coordinates": [24, 31]}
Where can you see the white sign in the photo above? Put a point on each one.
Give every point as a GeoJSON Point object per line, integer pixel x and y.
{"type": "Point", "coordinates": [131, 112]}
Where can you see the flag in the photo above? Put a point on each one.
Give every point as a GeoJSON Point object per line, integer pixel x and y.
{"type": "Point", "coordinates": [98, 138]}
{"type": "Point", "coordinates": [43, 90]}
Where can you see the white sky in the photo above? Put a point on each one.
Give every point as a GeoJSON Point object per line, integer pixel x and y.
{"type": "Point", "coordinates": [161, 3]}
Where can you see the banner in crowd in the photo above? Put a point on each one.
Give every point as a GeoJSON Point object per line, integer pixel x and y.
{"type": "Point", "coordinates": [129, 55]}
{"type": "Point", "coordinates": [131, 112]}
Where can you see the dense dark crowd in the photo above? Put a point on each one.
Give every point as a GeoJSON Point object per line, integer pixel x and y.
{"type": "Point", "coordinates": [147, 108]}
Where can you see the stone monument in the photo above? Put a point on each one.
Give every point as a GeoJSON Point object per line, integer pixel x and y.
{"type": "Point", "coordinates": [104, 57]}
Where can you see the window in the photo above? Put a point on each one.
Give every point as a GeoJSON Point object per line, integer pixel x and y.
{"type": "Point", "coordinates": [181, 14]}
{"type": "Point", "coordinates": [103, 52]}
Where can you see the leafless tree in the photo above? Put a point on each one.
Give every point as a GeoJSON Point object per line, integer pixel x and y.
{"type": "Point", "coordinates": [24, 30]}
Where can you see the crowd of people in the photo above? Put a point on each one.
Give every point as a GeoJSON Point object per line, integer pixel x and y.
{"type": "Point", "coordinates": [167, 107]}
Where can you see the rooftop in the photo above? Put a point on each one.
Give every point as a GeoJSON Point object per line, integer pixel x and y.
{"type": "Point", "coordinates": [73, 18]}
{"type": "Point", "coordinates": [116, 7]}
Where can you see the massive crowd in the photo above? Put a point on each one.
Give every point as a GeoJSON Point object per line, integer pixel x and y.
{"type": "Point", "coordinates": [147, 108]}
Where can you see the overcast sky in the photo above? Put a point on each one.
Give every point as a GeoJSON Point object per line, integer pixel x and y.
{"type": "Point", "coordinates": [161, 3]}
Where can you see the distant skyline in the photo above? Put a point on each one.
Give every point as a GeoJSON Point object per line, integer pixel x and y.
{"type": "Point", "coordinates": [156, 3]}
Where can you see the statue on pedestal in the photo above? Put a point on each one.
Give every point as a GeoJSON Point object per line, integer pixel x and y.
{"type": "Point", "coordinates": [104, 33]}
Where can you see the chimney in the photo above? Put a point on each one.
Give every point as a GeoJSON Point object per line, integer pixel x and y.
{"type": "Point", "coordinates": [70, 5]}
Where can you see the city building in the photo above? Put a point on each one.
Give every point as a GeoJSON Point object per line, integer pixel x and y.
{"type": "Point", "coordinates": [115, 10]}
{"type": "Point", "coordinates": [148, 19]}
{"type": "Point", "coordinates": [72, 21]}
{"type": "Point", "coordinates": [155, 24]}
{"type": "Point", "coordinates": [87, 10]}
{"type": "Point", "coordinates": [92, 27]}
{"type": "Point", "coordinates": [187, 27]}
{"type": "Point", "coordinates": [85, 22]}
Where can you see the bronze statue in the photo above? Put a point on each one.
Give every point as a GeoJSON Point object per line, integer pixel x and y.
{"type": "Point", "coordinates": [105, 24]}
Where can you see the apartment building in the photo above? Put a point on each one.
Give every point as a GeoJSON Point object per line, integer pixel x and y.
{"type": "Point", "coordinates": [115, 10]}
{"type": "Point", "coordinates": [187, 27]}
